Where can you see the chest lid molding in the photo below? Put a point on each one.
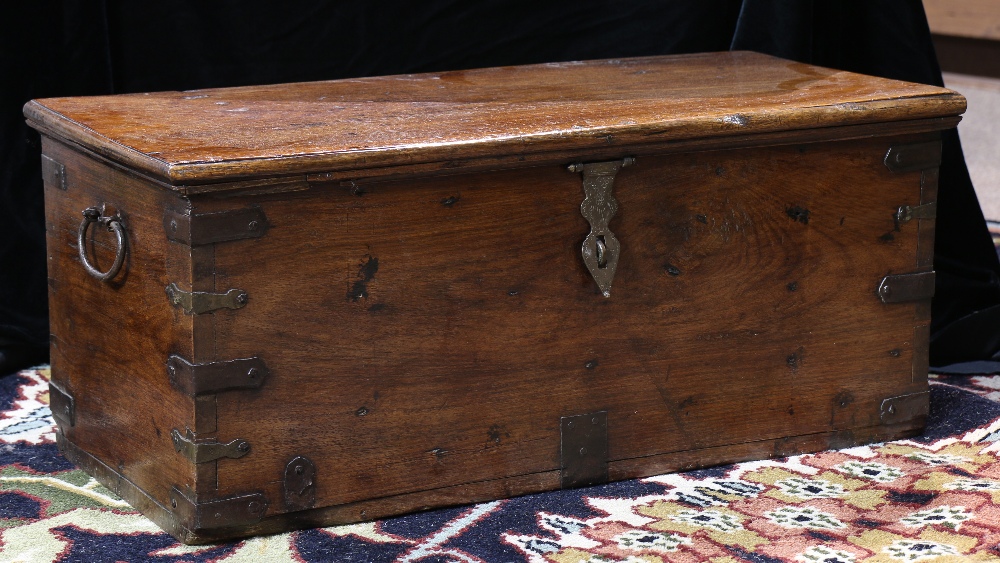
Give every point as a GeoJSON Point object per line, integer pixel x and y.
{"type": "Point", "coordinates": [217, 135]}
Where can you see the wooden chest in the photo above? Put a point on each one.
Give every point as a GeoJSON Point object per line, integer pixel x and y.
{"type": "Point", "coordinates": [299, 305]}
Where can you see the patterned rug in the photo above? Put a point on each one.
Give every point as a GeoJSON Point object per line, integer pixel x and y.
{"type": "Point", "coordinates": [934, 498]}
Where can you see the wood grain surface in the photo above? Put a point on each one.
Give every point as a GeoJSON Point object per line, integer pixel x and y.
{"type": "Point", "coordinates": [443, 326]}
{"type": "Point", "coordinates": [418, 296]}
{"type": "Point", "coordinates": [219, 135]}
{"type": "Point", "coordinates": [109, 340]}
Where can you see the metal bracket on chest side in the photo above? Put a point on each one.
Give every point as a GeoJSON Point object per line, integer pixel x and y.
{"type": "Point", "coordinates": [904, 407]}
{"type": "Point", "coordinates": [198, 302]}
{"type": "Point", "coordinates": [584, 449]}
{"type": "Point", "coordinates": [907, 213]}
{"type": "Point", "coordinates": [600, 249]}
{"type": "Point", "coordinates": [213, 377]}
{"type": "Point", "coordinates": [53, 172]}
{"type": "Point", "coordinates": [208, 228]}
{"type": "Point", "coordinates": [62, 405]}
{"type": "Point", "coordinates": [207, 450]}
{"type": "Point", "coordinates": [300, 484]}
{"type": "Point", "coordinates": [901, 288]}
{"type": "Point", "coordinates": [911, 158]}
{"type": "Point", "coordinates": [220, 513]}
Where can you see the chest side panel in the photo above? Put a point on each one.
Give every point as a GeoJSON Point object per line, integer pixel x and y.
{"type": "Point", "coordinates": [427, 333]}
{"type": "Point", "coordinates": [110, 339]}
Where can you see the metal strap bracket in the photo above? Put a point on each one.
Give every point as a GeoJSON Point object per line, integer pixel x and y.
{"type": "Point", "coordinates": [198, 302]}
{"type": "Point", "coordinates": [901, 288]}
{"type": "Point", "coordinates": [584, 449]}
{"type": "Point", "coordinates": [913, 157]}
{"type": "Point", "coordinates": [904, 407]}
{"type": "Point", "coordinates": [213, 377]}
{"type": "Point", "coordinates": [207, 450]}
{"type": "Point", "coordinates": [53, 172]}
{"type": "Point", "coordinates": [208, 228]}
{"type": "Point", "coordinates": [238, 510]}
{"type": "Point", "coordinates": [62, 405]}
{"type": "Point", "coordinates": [906, 213]}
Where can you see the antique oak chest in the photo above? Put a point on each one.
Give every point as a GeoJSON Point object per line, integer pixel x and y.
{"type": "Point", "coordinates": [307, 304]}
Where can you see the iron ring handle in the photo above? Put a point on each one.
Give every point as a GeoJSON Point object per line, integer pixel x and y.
{"type": "Point", "coordinates": [114, 224]}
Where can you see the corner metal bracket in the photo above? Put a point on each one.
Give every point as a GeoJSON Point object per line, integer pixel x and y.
{"type": "Point", "coordinates": [227, 512]}
{"type": "Point", "coordinates": [904, 407]}
{"type": "Point", "coordinates": [198, 302]}
{"type": "Point", "coordinates": [300, 484]}
{"type": "Point", "coordinates": [913, 157]}
{"type": "Point", "coordinates": [213, 377]}
{"type": "Point", "coordinates": [583, 449]}
{"type": "Point", "coordinates": [208, 228]}
{"type": "Point", "coordinates": [62, 405]}
{"type": "Point", "coordinates": [600, 249]}
{"type": "Point", "coordinates": [53, 172]}
{"type": "Point", "coordinates": [901, 288]}
{"type": "Point", "coordinates": [207, 450]}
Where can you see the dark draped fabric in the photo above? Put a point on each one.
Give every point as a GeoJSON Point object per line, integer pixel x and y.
{"type": "Point", "coordinates": [68, 48]}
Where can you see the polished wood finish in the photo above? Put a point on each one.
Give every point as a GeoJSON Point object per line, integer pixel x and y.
{"type": "Point", "coordinates": [208, 136]}
{"type": "Point", "coordinates": [426, 325]}
{"type": "Point", "coordinates": [109, 340]}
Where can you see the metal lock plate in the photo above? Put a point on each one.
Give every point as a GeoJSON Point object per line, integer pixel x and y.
{"type": "Point", "coordinates": [600, 249]}
{"type": "Point", "coordinates": [584, 449]}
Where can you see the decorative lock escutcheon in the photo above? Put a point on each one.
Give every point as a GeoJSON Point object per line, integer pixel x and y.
{"type": "Point", "coordinates": [600, 249]}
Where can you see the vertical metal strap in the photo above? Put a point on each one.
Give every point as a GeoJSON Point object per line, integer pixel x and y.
{"type": "Point", "coordinates": [584, 449]}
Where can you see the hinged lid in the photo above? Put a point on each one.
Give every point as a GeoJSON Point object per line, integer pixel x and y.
{"type": "Point", "coordinates": [216, 135]}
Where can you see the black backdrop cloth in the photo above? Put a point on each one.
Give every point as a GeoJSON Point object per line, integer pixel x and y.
{"type": "Point", "coordinates": [77, 47]}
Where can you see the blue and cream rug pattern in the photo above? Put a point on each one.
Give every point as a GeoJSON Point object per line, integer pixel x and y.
{"type": "Point", "coordinates": [933, 498]}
